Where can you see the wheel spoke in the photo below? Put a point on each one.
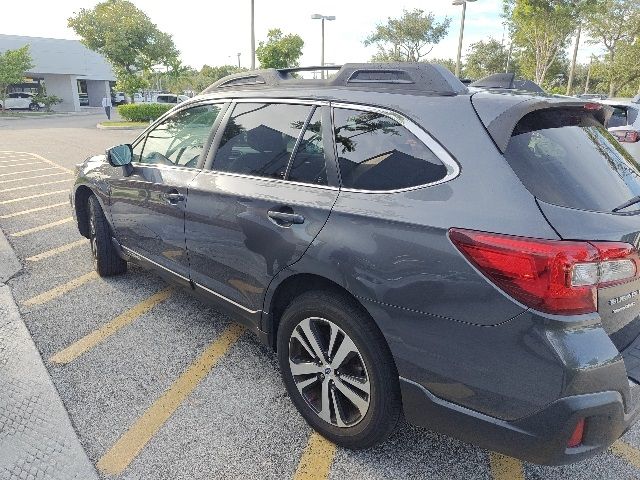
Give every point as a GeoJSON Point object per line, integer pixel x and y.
{"type": "Point", "coordinates": [362, 385]}
{"type": "Point", "coordinates": [337, 409]}
{"type": "Point", "coordinates": [304, 368]}
{"type": "Point", "coordinates": [311, 338]}
{"type": "Point", "coordinates": [325, 410]}
{"type": "Point", "coordinates": [332, 339]}
{"type": "Point", "coordinates": [346, 347]}
{"type": "Point", "coordinates": [361, 404]}
{"type": "Point", "coordinates": [305, 383]}
{"type": "Point", "coordinates": [303, 342]}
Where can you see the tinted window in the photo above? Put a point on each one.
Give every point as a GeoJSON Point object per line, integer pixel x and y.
{"type": "Point", "coordinates": [308, 165]}
{"type": "Point", "coordinates": [618, 117]}
{"type": "Point", "coordinates": [259, 139]}
{"type": "Point", "coordinates": [566, 157]}
{"type": "Point", "coordinates": [375, 152]}
{"type": "Point", "coordinates": [180, 139]}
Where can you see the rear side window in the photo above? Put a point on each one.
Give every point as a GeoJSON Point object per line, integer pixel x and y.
{"type": "Point", "coordinates": [259, 139]}
{"type": "Point", "coordinates": [618, 117]}
{"type": "Point", "coordinates": [566, 157]}
{"type": "Point", "coordinates": [375, 152]}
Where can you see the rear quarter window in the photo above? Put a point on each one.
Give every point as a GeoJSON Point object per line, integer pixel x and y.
{"type": "Point", "coordinates": [566, 157]}
{"type": "Point", "coordinates": [376, 152]}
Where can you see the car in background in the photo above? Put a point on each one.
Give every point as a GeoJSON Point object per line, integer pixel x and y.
{"type": "Point", "coordinates": [171, 98]}
{"type": "Point", "coordinates": [592, 96]}
{"type": "Point", "coordinates": [118, 98]}
{"type": "Point", "coordinates": [624, 124]}
{"type": "Point", "coordinates": [22, 100]}
{"type": "Point", "coordinates": [84, 99]}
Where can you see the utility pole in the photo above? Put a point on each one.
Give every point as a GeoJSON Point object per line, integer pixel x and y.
{"type": "Point", "coordinates": [253, 36]}
{"type": "Point", "coordinates": [573, 60]}
{"type": "Point", "coordinates": [318, 16]}
{"type": "Point", "coordinates": [464, 12]}
{"type": "Point", "coordinates": [238, 59]}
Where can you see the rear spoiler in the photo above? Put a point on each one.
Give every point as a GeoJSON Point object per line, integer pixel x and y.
{"type": "Point", "coordinates": [500, 112]}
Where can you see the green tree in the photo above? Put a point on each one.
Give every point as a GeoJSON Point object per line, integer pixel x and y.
{"type": "Point", "coordinates": [280, 50]}
{"type": "Point", "coordinates": [209, 75]}
{"type": "Point", "coordinates": [448, 63]}
{"type": "Point", "coordinates": [13, 65]}
{"type": "Point", "coordinates": [126, 37]}
{"type": "Point", "coordinates": [616, 25]}
{"type": "Point", "coordinates": [408, 38]}
{"type": "Point", "coordinates": [485, 58]}
{"type": "Point", "coordinates": [541, 28]}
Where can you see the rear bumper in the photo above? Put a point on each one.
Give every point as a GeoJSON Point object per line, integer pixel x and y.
{"type": "Point", "coordinates": [539, 438]}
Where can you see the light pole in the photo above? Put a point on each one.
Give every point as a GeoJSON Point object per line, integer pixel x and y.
{"type": "Point", "coordinates": [464, 12]}
{"type": "Point", "coordinates": [238, 59]}
{"type": "Point", "coordinates": [317, 16]}
{"type": "Point", "coordinates": [253, 37]}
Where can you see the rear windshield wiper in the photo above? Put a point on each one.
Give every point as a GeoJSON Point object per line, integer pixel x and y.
{"type": "Point", "coordinates": [628, 203]}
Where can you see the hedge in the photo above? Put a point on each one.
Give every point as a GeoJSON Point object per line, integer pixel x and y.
{"type": "Point", "coordinates": [143, 112]}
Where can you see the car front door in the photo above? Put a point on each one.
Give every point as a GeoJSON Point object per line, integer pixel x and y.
{"type": "Point", "coordinates": [268, 194]}
{"type": "Point", "coordinates": [147, 207]}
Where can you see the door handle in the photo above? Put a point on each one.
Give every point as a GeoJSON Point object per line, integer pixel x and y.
{"type": "Point", "coordinates": [284, 218]}
{"type": "Point", "coordinates": [173, 197]}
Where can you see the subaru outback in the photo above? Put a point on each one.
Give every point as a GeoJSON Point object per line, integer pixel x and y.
{"type": "Point", "coordinates": [406, 245]}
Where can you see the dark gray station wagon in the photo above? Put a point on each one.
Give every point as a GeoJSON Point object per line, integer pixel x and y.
{"type": "Point", "coordinates": [406, 244]}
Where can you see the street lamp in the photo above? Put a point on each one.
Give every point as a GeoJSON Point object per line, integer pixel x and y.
{"type": "Point", "coordinates": [464, 11]}
{"type": "Point", "coordinates": [317, 16]}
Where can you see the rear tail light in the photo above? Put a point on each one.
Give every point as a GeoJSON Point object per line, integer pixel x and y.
{"type": "Point", "coordinates": [626, 136]}
{"type": "Point", "coordinates": [553, 276]}
{"type": "Point", "coordinates": [578, 434]}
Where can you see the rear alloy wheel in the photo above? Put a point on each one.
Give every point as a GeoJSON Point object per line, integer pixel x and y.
{"type": "Point", "coordinates": [106, 260]}
{"type": "Point", "coordinates": [338, 370]}
{"type": "Point", "coordinates": [34, 107]}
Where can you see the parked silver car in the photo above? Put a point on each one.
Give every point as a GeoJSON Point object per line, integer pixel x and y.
{"type": "Point", "coordinates": [624, 124]}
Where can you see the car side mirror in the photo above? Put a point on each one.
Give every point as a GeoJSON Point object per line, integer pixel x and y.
{"type": "Point", "coordinates": [120, 155]}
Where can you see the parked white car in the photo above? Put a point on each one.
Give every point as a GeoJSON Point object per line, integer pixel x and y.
{"type": "Point", "coordinates": [624, 124]}
{"type": "Point", "coordinates": [170, 98]}
{"type": "Point", "coordinates": [22, 100]}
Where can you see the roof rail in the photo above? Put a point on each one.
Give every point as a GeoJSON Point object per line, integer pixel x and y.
{"type": "Point", "coordinates": [416, 78]}
{"type": "Point", "coordinates": [507, 81]}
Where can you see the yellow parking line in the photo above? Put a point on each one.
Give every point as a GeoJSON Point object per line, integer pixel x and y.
{"type": "Point", "coordinates": [24, 187]}
{"type": "Point", "coordinates": [33, 210]}
{"type": "Point", "coordinates": [89, 341]}
{"type": "Point", "coordinates": [505, 468]}
{"type": "Point", "coordinates": [21, 179]}
{"type": "Point", "coordinates": [626, 452]}
{"type": "Point", "coordinates": [20, 164]}
{"type": "Point", "coordinates": [38, 195]}
{"type": "Point", "coordinates": [61, 289]}
{"type": "Point", "coordinates": [27, 171]}
{"type": "Point", "coordinates": [68, 170]}
{"type": "Point", "coordinates": [40, 228]}
{"type": "Point", "coordinates": [55, 251]}
{"type": "Point", "coordinates": [316, 460]}
{"type": "Point", "coordinates": [127, 448]}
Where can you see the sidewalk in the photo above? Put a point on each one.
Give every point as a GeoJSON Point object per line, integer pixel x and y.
{"type": "Point", "coordinates": [37, 439]}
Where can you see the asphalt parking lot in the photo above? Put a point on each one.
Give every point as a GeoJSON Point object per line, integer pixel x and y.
{"type": "Point", "coordinates": [159, 385]}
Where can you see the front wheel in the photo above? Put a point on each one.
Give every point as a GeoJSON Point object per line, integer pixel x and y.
{"type": "Point", "coordinates": [338, 370]}
{"type": "Point", "coordinates": [106, 260]}
{"type": "Point", "coordinates": [34, 107]}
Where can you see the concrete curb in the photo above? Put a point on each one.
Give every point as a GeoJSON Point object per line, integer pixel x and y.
{"type": "Point", "coordinates": [37, 437]}
{"type": "Point", "coordinates": [99, 126]}
{"type": "Point", "coordinates": [9, 263]}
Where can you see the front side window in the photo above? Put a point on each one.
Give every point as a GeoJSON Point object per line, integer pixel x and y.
{"type": "Point", "coordinates": [180, 139]}
{"type": "Point", "coordinates": [259, 139]}
{"type": "Point", "coordinates": [376, 152]}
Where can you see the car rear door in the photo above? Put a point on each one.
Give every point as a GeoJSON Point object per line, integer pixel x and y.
{"type": "Point", "coordinates": [269, 192]}
{"type": "Point", "coordinates": [148, 206]}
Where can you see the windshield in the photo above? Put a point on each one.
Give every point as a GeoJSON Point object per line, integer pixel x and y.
{"type": "Point", "coordinates": [566, 157]}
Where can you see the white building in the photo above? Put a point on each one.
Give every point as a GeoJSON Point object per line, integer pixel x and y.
{"type": "Point", "coordinates": [59, 64]}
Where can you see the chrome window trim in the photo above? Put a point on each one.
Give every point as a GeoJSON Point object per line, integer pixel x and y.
{"type": "Point", "coordinates": [165, 167]}
{"type": "Point", "coordinates": [295, 101]}
{"type": "Point", "coordinates": [268, 179]}
{"type": "Point", "coordinates": [452, 166]}
{"type": "Point", "coordinates": [135, 254]}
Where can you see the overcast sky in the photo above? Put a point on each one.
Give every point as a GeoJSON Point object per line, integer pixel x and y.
{"type": "Point", "coordinates": [214, 32]}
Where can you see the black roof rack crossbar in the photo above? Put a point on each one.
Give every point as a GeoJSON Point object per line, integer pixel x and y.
{"type": "Point", "coordinates": [414, 78]}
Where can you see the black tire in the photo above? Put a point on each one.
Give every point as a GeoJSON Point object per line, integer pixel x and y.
{"type": "Point", "coordinates": [384, 398]}
{"type": "Point", "coordinates": [106, 260]}
{"type": "Point", "coordinates": [34, 107]}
